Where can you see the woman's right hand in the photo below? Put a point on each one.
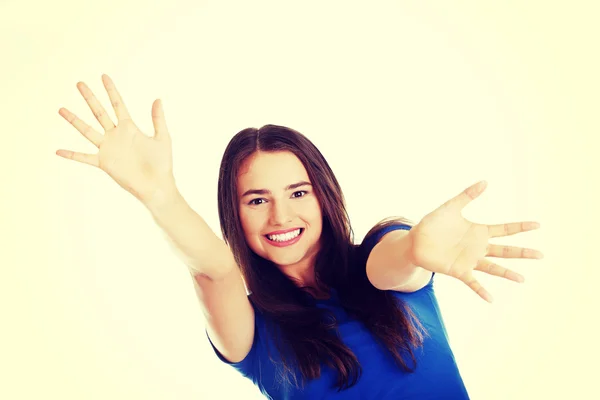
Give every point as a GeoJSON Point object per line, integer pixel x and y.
{"type": "Point", "coordinates": [140, 164]}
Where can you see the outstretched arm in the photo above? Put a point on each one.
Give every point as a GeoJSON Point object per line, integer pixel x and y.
{"type": "Point", "coordinates": [447, 243]}
{"type": "Point", "coordinates": [390, 265]}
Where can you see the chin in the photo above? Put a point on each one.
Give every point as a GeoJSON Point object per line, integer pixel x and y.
{"type": "Point", "coordinates": [284, 262]}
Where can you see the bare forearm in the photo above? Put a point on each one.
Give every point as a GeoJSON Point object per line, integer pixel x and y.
{"type": "Point", "coordinates": [191, 237]}
{"type": "Point", "coordinates": [389, 266]}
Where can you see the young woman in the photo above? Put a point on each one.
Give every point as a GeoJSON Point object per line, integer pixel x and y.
{"type": "Point", "coordinates": [290, 301]}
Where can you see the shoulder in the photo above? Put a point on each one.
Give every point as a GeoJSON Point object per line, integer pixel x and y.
{"type": "Point", "coordinates": [424, 286]}
{"type": "Point", "coordinates": [249, 364]}
{"type": "Point", "coordinates": [384, 246]}
{"type": "Point", "coordinates": [383, 227]}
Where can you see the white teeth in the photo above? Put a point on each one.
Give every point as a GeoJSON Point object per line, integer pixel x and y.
{"type": "Point", "coordinates": [284, 237]}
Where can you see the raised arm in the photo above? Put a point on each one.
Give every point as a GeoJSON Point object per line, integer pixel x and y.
{"type": "Point", "coordinates": [143, 166]}
{"type": "Point", "coordinates": [447, 243]}
{"type": "Point", "coordinates": [189, 235]}
{"type": "Point", "coordinates": [217, 279]}
{"type": "Point", "coordinates": [389, 265]}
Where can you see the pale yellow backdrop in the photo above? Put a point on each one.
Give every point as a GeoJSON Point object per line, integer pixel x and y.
{"type": "Point", "coordinates": [409, 101]}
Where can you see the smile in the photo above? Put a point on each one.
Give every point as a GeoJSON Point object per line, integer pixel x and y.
{"type": "Point", "coordinates": [286, 239]}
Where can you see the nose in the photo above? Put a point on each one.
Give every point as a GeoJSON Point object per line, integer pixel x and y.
{"type": "Point", "coordinates": [280, 213]}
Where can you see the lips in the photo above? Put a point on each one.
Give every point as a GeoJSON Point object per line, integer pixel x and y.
{"type": "Point", "coordinates": [281, 232]}
{"type": "Point", "coordinates": [287, 243]}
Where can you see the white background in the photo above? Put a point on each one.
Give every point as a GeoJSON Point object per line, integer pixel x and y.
{"type": "Point", "coordinates": [409, 101]}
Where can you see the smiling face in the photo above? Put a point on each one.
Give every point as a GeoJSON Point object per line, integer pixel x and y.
{"type": "Point", "coordinates": [275, 197]}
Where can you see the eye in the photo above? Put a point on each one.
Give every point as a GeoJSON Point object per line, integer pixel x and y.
{"type": "Point", "coordinates": [300, 191]}
{"type": "Point", "coordinates": [253, 202]}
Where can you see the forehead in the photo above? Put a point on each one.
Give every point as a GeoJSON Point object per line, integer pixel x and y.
{"type": "Point", "coordinates": [272, 170]}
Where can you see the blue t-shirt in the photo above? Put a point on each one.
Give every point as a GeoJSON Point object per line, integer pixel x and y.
{"type": "Point", "coordinates": [436, 375]}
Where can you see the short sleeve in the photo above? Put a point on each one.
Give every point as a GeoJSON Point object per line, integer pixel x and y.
{"type": "Point", "coordinates": [247, 366]}
{"type": "Point", "coordinates": [371, 240]}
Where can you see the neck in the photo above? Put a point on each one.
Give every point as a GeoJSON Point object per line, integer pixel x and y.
{"type": "Point", "coordinates": [303, 275]}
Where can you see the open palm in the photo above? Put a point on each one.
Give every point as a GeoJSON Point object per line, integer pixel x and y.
{"type": "Point", "coordinates": [447, 243]}
{"type": "Point", "coordinates": [137, 162]}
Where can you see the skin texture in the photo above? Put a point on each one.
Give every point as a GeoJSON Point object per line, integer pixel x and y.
{"type": "Point", "coordinates": [281, 209]}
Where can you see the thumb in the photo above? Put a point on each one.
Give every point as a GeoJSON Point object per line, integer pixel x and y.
{"type": "Point", "coordinates": [159, 121]}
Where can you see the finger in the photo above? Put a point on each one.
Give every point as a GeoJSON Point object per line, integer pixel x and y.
{"type": "Point", "coordinates": [159, 121]}
{"type": "Point", "coordinates": [494, 250]}
{"type": "Point", "coordinates": [511, 228]}
{"type": "Point", "coordinates": [468, 195]}
{"type": "Point", "coordinates": [87, 131]}
{"type": "Point", "coordinates": [471, 282]}
{"type": "Point", "coordinates": [494, 269]}
{"type": "Point", "coordinates": [95, 106]}
{"type": "Point", "coordinates": [115, 98]}
{"type": "Point", "coordinates": [90, 159]}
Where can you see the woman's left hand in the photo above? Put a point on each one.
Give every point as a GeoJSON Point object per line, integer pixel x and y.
{"type": "Point", "coordinates": [445, 242]}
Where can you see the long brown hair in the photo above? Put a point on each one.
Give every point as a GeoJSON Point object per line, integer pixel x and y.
{"type": "Point", "coordinates": [305, 335]}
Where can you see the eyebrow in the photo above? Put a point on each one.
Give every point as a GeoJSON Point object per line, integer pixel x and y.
{"type": "Point", "coordinates": [265, 191]}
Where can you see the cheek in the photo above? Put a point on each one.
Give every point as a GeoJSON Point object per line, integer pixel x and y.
{"type": "Point", "coordinates": [251, 223]}
{"type": "Point", "coordinates": [313, 211]}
